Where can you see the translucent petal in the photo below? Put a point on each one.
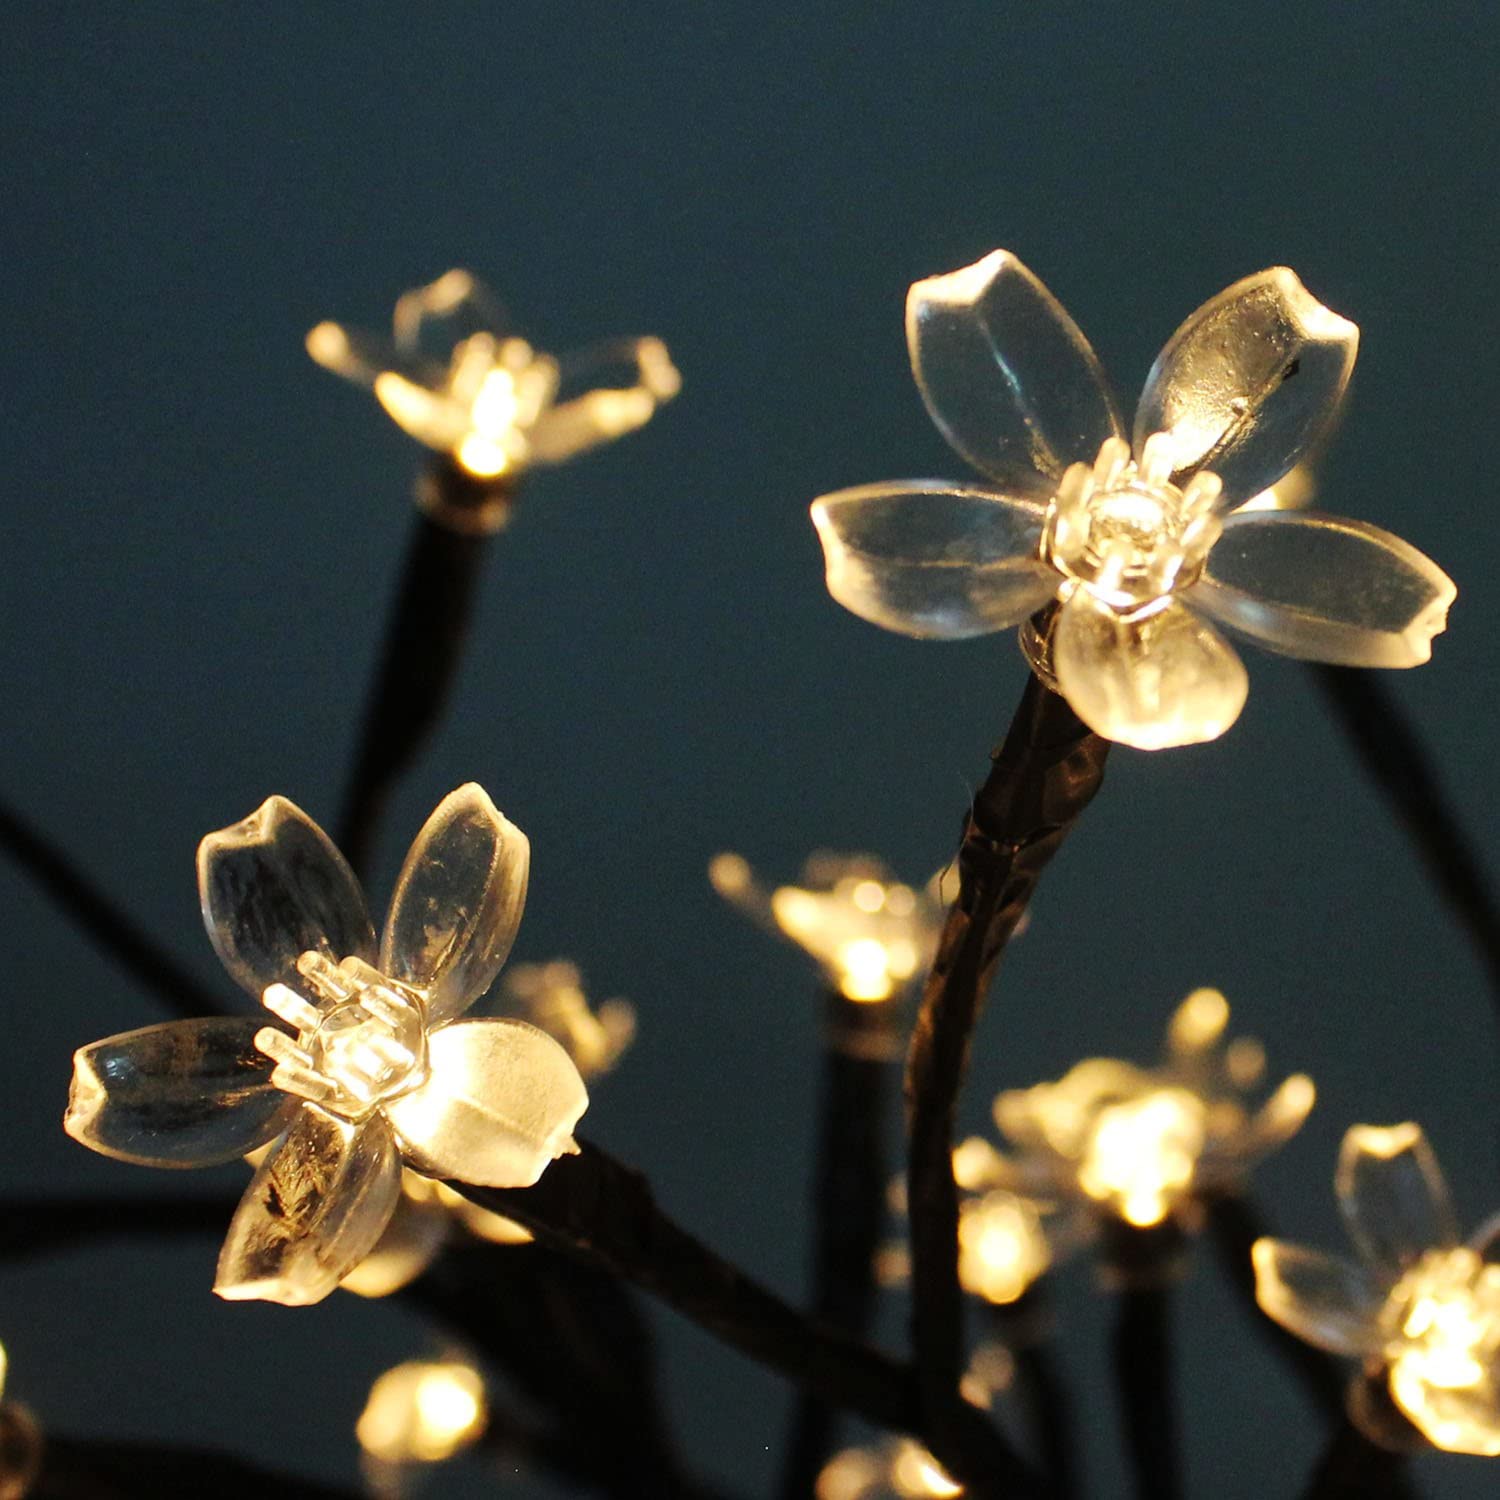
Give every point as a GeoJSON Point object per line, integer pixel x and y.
{"type": "Point", "coordinates": [408, 1245]}
{"type": "Point", "coordinates": [632, 377]}
{"type": "Point", "coordinates": [500, 1102]}
{"type": "Point", "coordinates": [273, 887]}
{"type": "Point", "coordinates": [182, 1094]}
{"type": "Point", "coordinates": [431, 321]}
{"type": "Point", "coordinates": [1249, 383]}
{"type": "Point", "coordinates": [350, 352]}
{"type": "Point", "coordinates": [458, 903]}
{"type": "Point", "coordinates": [431, 416]}
{"type": "Point", "coordinates": [1325, 588]}
{"type": "Point", "coordinates": [927, 558]}
{"type": "Point", "coordinates": [313, 1211]}
{"type": "Point", "coordinates": [1392, 1195]}
{"type": "Point", "coordinates": [1007, 376]}
{"type": "Point", "coordinates": [1463, 1419]}
{"type": "Point", "coordinates": [1225, 1162]}
{"type": "Point", "coordinates": [1169, 679]}
{"type": "Point", "coordinates": [1324, 1300]}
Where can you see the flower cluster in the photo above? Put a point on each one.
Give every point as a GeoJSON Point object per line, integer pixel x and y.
{"type": "Point", "coordinates": [376, 1067]}
{"type": "Point", "coordinates": [1140, 541]}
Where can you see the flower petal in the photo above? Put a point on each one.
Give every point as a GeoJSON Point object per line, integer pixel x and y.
{"type": "Point", "coordinates": [1226, 1161]}
{"type": "Point", "coordinates": [350, 352]}
{"type": "Point", "coordinates": [1324, 1300]}
{"type": "Point", "coordinates": [273, 887]}
{"type": "Point", "coordinates": [458, 903]}
{"type": "Point", "coordinates": [1249, 383]}
{"type": "Point", "coordinates": [1464, 1419]}
{"type": "Point", "coordinates": [499, 1103]}
{"type": "Point", "coordinates": [1325, 588]}
{"type": "Point", "coordinates": [1007, 376]}
{"type": "Point", "coordinates": [927, 558]}
{"type": "Point", "coordinates": [407, 1246]}
{"type": "Point", "coordinates": [313, 1211]}
{"type": "Point", "coordinates": [1168, 679]}
{"type": "Point", "coordinates": [1392, 1195]}
{"type": "Point", "coordinates": [182, 1094]}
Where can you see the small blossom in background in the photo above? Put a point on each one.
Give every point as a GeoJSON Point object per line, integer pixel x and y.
{"type": "Point", "coordinates": [551, 997]}
{"type": "Point", "coordinates": [420, 1413]}
{"type": "Point", "coordinates": [377, 1069]}
{"type": "Point", "coordinates": [1142, 1145]}
{"type": "Point", "coordinates": [451, 379]}
{"type": "Point", "coordinates": [897, 1469]}
{"type": "Point", "coordinates": [1418, 1306]}
{"type": "Point", "coordinates": [1140, 543]}
{"type": "Point", "coordinates": [870, 934]}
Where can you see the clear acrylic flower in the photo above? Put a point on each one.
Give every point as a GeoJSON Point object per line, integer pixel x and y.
{"type": "Point", "coordinates": [451, 378]}
{"type": "Point", "coordinates": [1418, 1306]}
{"type": "Point", "coordinates": [373, 1066]}
{"type": "Point", "coordinates": [870, 934]}
{"type": "Point", "coordinates": [898, 1468]}
{"type": "Point", "coordinates": [551, 997]}
{"type": "Point", "coordinates": [1142, 1145]}
{"type": "Point", "coordinates": [1142, 542]}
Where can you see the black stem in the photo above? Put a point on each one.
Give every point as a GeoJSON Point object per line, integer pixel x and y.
{"type": "Point", "coordinates": [596, 1208]}
{"type": "Point", "coordinates": [423, 647]}
{"type": "Point", "coordinates": [1144, 1377]}
{"type": "Point", "coordinates": [116, 933]}
{"type": "Point", "coordinates": [1044, 1399]}
{"type": "Point", "coordinates": [1395, 756]}
{"type": "Point", "coordinates": [861, 1046]}
{"type": "Point", "coordinates": [1044, 775]}
{"type": "Point", "coordinates": [1352, 1467]}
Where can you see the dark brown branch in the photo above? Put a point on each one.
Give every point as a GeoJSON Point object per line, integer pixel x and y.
{"type": "Point", "coordinates": [1044, 775]}
{"type": "Point", "coordinates": [423, 648]}
{"type": "Point", "coordinates": [1401, 765]}
{"type": "Point", "coordinates": [1142, 1348]}
{"type": "Point", "coordinates": [116, 933]}
{"type": "Point", "coordinates": [861, 1043]}
{"type": "Point", "coordinates": [1354, 1468]}
{"type": "Point", "coordinates": [87, 1469]}
{"type": "Point", "coordinates": [39, 1226]}
{"type": "Point", "coordinates": [593, 1207]}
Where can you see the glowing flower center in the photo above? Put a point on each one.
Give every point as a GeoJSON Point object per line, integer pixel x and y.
{"type": "Point", "coordinates": [1443, 1320]}
{"type": "Point", "coordinates": [1123, 531]}
{"type": "Point", "coordinates": [361, 1038]}
{"type": "Point", "coordinates": [863, 929]}
{"type": "Point", "coordinates": [1001, 1246]}
{"type": "Point", "coordinates": [1142, 1154]}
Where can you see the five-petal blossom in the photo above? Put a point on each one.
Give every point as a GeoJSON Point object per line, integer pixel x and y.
{"type": "Point", "coordinates": [376, 1067]}
{"type": "Point", "coordinates": [1419, 1307]}
{"type": "Point", "coordinates": [1141, 542]}
{"type": "Point", "coordinates": [452, 380]}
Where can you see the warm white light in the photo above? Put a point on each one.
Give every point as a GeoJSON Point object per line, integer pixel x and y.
{"type": "Point", "coordinates": [423, 1412]}
{"type": "Point", "coordinates": [1142, 1154]}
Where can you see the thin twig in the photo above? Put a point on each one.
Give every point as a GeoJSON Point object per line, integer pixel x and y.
{"type": "Point", "coordinates": [594, 1207]}
{"type": "Point", "coordinates": [116, 933]}
{"type": "Point", "coordinates": [860, 1046]}
{"type": "Point", "coordinates": [1394, 755]}
{"type": "Point", "coordinates": [1044, 775]}
{"type": "Point", "coordinates": [423, 648]}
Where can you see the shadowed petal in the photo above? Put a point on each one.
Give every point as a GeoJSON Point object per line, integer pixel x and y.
{"type": "Point", "coordinates": [1326, 589]}
{"type": "Point", "coordinates": [927, 558]}
{"type": "Point", "coordinates": [1327, 1301]}
{"type": "Point", "coordinates": [313, 1211]}
{"type": "Point", "coordinates": [409, 1243]}
{"type": "Point", "coordinates": [1168, 679]}
{"type": "Point", "coordinates": [182, 1094]}
{"type": "Point", "coordinates": [1249, 383]}
{"type": "Point", "coordinates": [273, 887]}
{"type": "Point", "coordinates": [458, 903]}
{"type": "Point", "coordinates": [500, 1102]}
{"type": "Point", "coordinates": [1007, 376]}
{"type": "Point", "coordinates": [1392, 1195]}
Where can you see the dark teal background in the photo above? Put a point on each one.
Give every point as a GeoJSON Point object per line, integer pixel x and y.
{"type": "Point", "coordinates": [201, 532]}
